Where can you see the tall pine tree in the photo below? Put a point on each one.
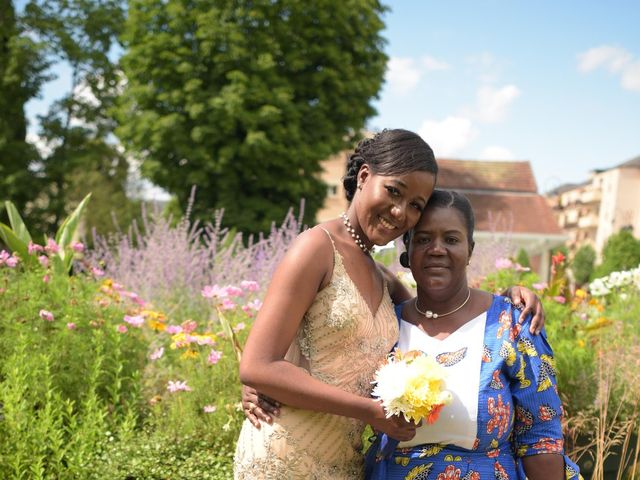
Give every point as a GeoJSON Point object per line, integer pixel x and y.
{"type": "Point", "coordinates": [244, 99]}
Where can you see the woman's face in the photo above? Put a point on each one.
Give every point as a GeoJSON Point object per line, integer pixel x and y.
{"type": "Point", "coordinates": [390, 205]}
{"type": "Point", "coordinates": [440, 250]}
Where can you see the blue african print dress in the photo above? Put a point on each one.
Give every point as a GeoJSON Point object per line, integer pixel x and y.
{"type": "Point", "coordinates": [505, 404]}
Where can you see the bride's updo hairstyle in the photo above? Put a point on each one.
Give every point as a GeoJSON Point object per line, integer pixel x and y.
{"type": "Point", "coordinates": [390, 152]}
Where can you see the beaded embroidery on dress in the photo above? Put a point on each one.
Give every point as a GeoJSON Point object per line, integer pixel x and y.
{"type": "Point", "coordinates": [341, 342]}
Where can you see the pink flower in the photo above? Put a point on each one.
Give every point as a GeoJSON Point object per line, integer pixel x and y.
{"type": "Point", "coordinates": [134, 298]}
{"type": "Point", "coordinates": [97, 272]}
{"type": "Point", "coordinates": [247, 310]}
{"type": "Point", "coordinates": [214, 357]}
{"type": "Point", "coordinates": [12, 261]}
{"type": "Point", "coordinates": [77, 247]}
{"type": "Point", "coordinates": [4, 255]}
{"type": "Point", "coordinates": [34, 247]}
{"type": "Point", "coordinates": [503, 263]}
{"type": "Point", "coordinates": [46, 315]}
{"type": "Point", "coordinates": [213, 291]}
{"type": "Point", "coordinates": [233, 291]}
{"type": "Point", "coordinates": [560, 299]}
{"type": "Point", "coordinates": [539, 286]}
{"type": "Point", "coordinates": [134, 321]}
{"type": "Point", "coordinates": [255, 305]}
{"type": "Point", "coordinates": [227, 304]}
{"type": "Point", "coordinates": [173, 329]}
{"type": "Point", "coordinates": [239, 327]}
{"type": "Point", "coordinates": [189, 326]}
{"type": "Point", "coordinates": [71, 326]}
{"type": "Point", "coordinates": [250, 285]}
{"type": "Point", "coordinates": [52, 246]}
{"type": "Point", "coordinates": [156, 354]}
{"type": "Point", "coordinates": [178, 386]}
{"type": "Point", "coordinates": [46, 278]}
{"type": "Point", "coordinates": [44, 260]}
{"type": "Point", "coordinates": [209, 408]}
{"type": "Point", "coordinates": [122, 328]}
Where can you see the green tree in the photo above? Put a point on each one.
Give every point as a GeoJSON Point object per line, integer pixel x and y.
{"type": "Point", "coordinates": [22, 72]}
{"type": "Point", "coordinates": [583, 264]}
{"type": "Point", "coordinates": [243, 99]}
{"type": "Point", "coordinates": [78, 127]}
{"type": "Point", "coordinates": [621, 252]}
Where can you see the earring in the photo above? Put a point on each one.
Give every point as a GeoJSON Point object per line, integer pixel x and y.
{"type": "Point", "coordinates": [404, 259]}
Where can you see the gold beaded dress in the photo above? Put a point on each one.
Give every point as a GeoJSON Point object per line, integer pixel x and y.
{"type": "Point", "coordinates": [341, 342]}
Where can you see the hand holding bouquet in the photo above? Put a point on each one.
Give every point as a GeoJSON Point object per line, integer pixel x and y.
{"type": "Point", "coordinates": [411, 384]}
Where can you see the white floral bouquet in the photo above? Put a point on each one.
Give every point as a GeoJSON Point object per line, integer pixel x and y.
{"type": "Point", "coordinates": [411, 384]}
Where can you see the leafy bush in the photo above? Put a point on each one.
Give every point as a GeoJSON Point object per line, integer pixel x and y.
{"type": "Point", "coordinates": [583, 264]}
{"type": "Point", "coordinates": [621, 252]}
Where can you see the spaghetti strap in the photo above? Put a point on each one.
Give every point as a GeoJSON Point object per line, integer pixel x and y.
{"type": "Point", "coordinates": [329, 235]}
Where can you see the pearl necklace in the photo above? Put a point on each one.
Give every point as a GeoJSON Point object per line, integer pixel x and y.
{"type": "Point", "coordinates": [354, 235]}
{"type": "Point", "coordinates": [430, 314]}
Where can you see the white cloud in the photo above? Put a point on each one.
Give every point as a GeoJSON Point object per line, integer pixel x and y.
{"type": "Point", "coordinates": [449, 136]}
{"type": "Point", "coordinates": [432, 63]}
{"type": "Point", "coordinates": [616, 60]}
{"type": "Point", "coordinates": [495, 152]}
{"type": "Point", "coordinates": [493, 103]}
{"type": "Point", "coordinates": [631, 77]}
{"type": "Point", "coordinates": [402, 75]}
{"type": "Point", "coordinates": [613, 59]}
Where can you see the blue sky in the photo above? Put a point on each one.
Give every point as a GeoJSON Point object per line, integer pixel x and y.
{"type": "Point", "coordinates": [553, 82]}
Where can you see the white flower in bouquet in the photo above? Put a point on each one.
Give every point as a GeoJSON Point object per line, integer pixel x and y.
{"type": "Point", "coordinates": [411, 384]}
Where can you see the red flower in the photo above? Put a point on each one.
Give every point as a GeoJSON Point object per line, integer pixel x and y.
{"type": "Point", "coordinates": [500, 415]}
{"type": "Point", "coordinates": [558, 258]}
{"type": "Point", "coordinates": [450, 473]}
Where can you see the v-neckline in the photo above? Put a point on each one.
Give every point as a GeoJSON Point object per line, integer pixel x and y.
{"type": "Point", "coordinates": [372, 313]}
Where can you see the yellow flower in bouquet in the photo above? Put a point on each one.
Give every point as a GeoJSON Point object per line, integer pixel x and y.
{"type": "Point", "coordinates": [411, 384]}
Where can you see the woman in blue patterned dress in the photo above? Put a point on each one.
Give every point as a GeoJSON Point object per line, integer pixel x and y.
{"type": "Point", "coordinates": [504, 420]}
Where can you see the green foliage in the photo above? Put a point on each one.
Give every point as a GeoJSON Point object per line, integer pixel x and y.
{"type": "Point", "coordinates": [61, 389]}
{"type": "Point", "coordinates": [18, 238]}
{"type": "Point", "coordinates": [522, 258]}
{"type": "Point", "coordinates": [583, 264]}
{"type": "Point", "coordinates": [621, 252]}
{"type": "Point", "coordinates": [152, 455]}
{"type": "Point", "coordinates": [81, 154]}
{"type": "Point", "coordinates": [245, 99]}
{"type": "Point", "coordinates": [22, 72]}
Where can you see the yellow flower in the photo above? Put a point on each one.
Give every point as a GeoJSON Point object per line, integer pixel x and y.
{"type": "Point", "coordinates": [178, 340]}
{"type": "Point", "coordinates": [153, 315]}
{"type": "Point", "coordinates": [580, 293]}
{"type": "Point", "coordinates": [581, 343]}
{"type": "Point", "coordinates": [188, 353]}
{"type": "Point", "coordinates": [157, 326]}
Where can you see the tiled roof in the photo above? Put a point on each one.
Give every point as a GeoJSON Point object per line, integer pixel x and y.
{"type": "Point", "coordinates": [514, 213]}
{"type": "Point", "coordinates": [634, 162]}
{"type": "Point", "coordinates": [486, 175]}
{"type": "Point", "coordinates": [504, 195]}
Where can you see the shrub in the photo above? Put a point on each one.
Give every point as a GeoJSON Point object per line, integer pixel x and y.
{"type": "Point", "coordinates": [621, 252]}
{"type": "Point", "coordinates": [583, 264]}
